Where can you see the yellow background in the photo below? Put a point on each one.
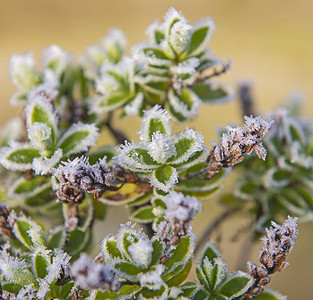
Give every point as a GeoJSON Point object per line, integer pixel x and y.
{"type": "Point", "coordinates": [270, 43]}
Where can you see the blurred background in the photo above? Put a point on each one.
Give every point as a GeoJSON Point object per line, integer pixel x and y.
{"type": "Point", "coordinates": [270, 44]}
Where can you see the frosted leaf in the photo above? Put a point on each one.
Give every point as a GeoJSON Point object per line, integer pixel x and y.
{"type": "Point", "coordinates": [197, 145]}
{"type": "Point", "coordinates": [152, 279]}
{"type": "Point", "coordinates": [60, 264]}
{"type": "Point", "coordinates": [11, 165]}
{"type": "Point", "coordinates": [106, 83]}
{"type": "Point", "coordinates": [206, 22]}
{"type": "Point", "coordinates": [43, 290]}
{"type": "Point", "coordinates": [15, 269]}
{"type": "Point", "coordinates": [179, 36]}
{"type": "Point", "coordinates": [22, 71]}
{"type": "Point", "coordinates": [156, 115]}
{"type": "Point", "coordinates": [161, 147]}
{"type": "Point", "coordinates": [134, 107]}
{"type": "Point", "coordinates": [89, 140]}
{"type": "Point", "coordinates": [115, 38]}
{"type": "Point", "coordinates": [180, 107]}
{"type": "Point", "coordinates": [56, 59]}
{"type": "Point", "coordinates": [36, 234]}
{"type": "Point", "coordinates": [260, 151]}
{"type": "Point", "coordinates": [27, 292]}
{"type": "Point", "coordinates": [131, 159]}
{"type": "Point", "coordinates": [39, 134]}
{"type": "Point", "coordinates": [168, 184]}
{"type": "Point", "coordinates": [150, 31]}
{"type": "Point", "coordinates": [172, 16]}
{"type": "Point", "coordinates": [141, 252]}
{"type": "Point", "coordinates": [45, 165]}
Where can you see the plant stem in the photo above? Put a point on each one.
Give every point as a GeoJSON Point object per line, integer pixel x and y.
{"type": "Point", "coordinates": [212, 227]}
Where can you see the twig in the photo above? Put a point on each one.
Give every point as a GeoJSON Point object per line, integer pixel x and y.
{"type": "Point", "coordinates": [246, 99]}
{"type": "Point", "coordinates": [119, 135]}
{"type": "Point", "coordinates": [213, 226]}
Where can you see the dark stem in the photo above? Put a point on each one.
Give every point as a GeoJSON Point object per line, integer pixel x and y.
{"type": "Point", "coordinates": [246, 99]}
{"type": "Point", "coordinates": [119, 135]}
{"type": "Point", "coordinates": [212, 227]}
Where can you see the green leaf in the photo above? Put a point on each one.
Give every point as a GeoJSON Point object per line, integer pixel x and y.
{"type": "Point", "coordinates": [139, 160]}
{"type": "Point", "coordinates": [110, 249]}
{"type": "Point", "coordinates": [13, 288]}
{"type": "Point", "coordinates": [158, 250]}
{"type": "Point", "coordinates": [21, 228]}
{"type": "Point", "coordinates": [185, 105]}
{"type": "Point", "coordinates": [41, 261]}
{"type": "Point", "coordinates": [18, 157]}
{"type": "Point", "coordinates": [111, 102]}
{"type": "Point", "coordinates": [212, 93]}
{"type": "Point", "coordinates": [106, 295]}
{"type": "Point", "coordinates": [209, 251]}
{"type": "Point", "coordinates": [215, 272]}
{"type": "Point", "coordinates": [126, 270]}
{"type": "Point", "coordinates": [41, 111]}
{"type": "Point", "coordinates": [78, 241]}
{"type": "Point", "coordinates": [189, 289]}
{"type": "Point", "coordinates": [154, 52]}
{"type": "Point", "coordinates": [201, 276]}
{"type": "Point", "coordinates": [62, 292]}
{"type": "Point", "coordinates": [164, 178]}
{"type": "Point", "coordinates": [181, 254]}
{"type": "Point", "coordinates": [129, 291]}
{"type": "Point", "coordinates": [200, 187]}
{"type": "Point", "coordinates": [143, 215]}
{"type": "Point", "coordinates": [28, 188]}
{"type": "Point", "coordinates": [201, 35]}
{"type": "Point", "coordinates": [108, 151]}
{"type": "Point", "coordinates": [78, 138]}
{"type": "Point", "coordinates": [56, 238]}
{"type": "Point", "coordinates": [180, 274]}
{"type": "Point", "coordinates": [237, 285]}
{"type": "Point", "coordinates": [202, 294]}
{"type": "Point", "coordinates": [270, 295]}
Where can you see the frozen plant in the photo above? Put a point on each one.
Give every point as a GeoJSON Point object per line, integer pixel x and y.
{"type": "Point", "coordinates": [57, 179]}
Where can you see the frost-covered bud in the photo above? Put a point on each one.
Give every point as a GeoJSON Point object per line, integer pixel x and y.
{"type": "Point", "coordinates": [39, 135]}
{"type": "Point", "coordinates": [114, 44]}
{"type": "Point", "coordinates": [7, 220]}
{"type": "Point", "coordinates": [78, 176]}
{"type": "Point", "coordinates": [56, 59]}
{"type": "Point", "coordinates": [22, 71]}
{"type": "Point", "coordinates": [91, 275]}
{"type": "Point", "coordinates": [179, 36]}
{"type": "Point", "coordinates": [278, 243]}
{"type": "Point", "coordinates": [180, 211]}
{"type": "Point", "coordinates": [236, 142]}
{"type": "Point", "coordinates": [141, 251]}
{"type": "Point", "coordinates": [161, 147]}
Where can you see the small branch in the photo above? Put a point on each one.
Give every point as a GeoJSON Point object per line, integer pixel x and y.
{"type": "Point", "coordinates": [214, 73]}
{"type": "Point", "coordinates": [119, 135]}
{"type": "Point", "coordinates": [213, 226]}
{"type": "Point", "coordinates": [246, 99]}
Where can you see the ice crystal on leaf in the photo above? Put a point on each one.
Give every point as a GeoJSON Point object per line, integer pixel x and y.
{"type": "Point", "coordinates": [160, 152]}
